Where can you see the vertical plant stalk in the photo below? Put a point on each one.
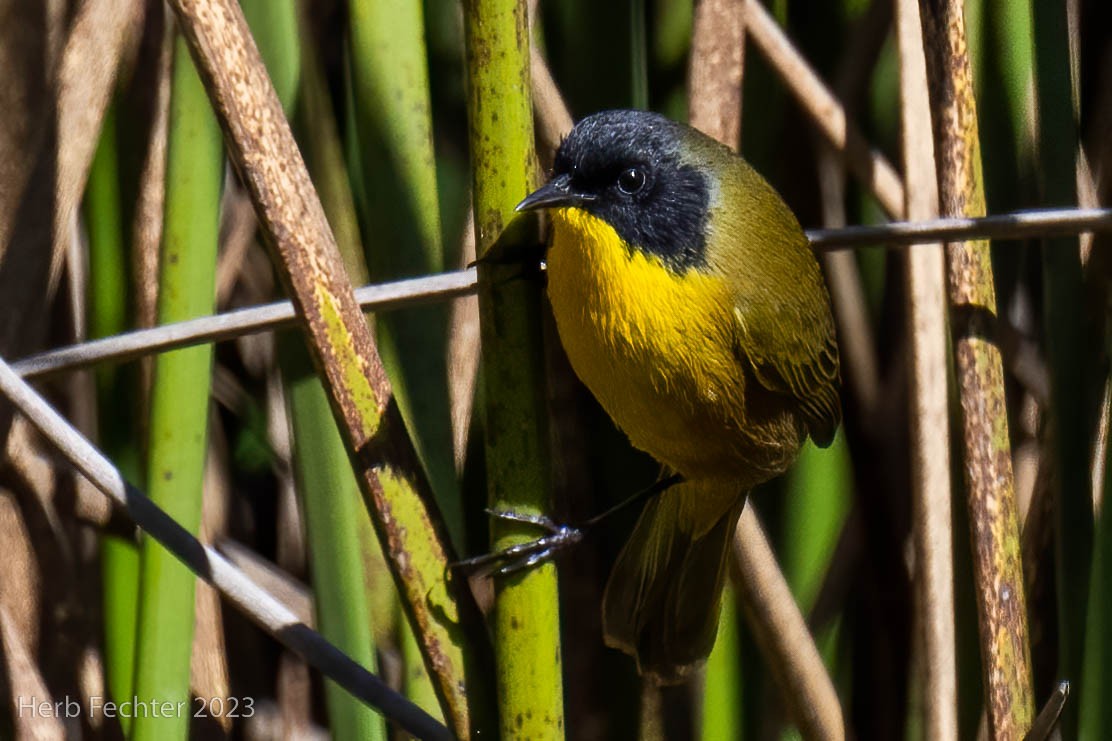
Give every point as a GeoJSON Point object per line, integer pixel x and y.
{"type": "Point", "coordinates": [116, 403]}
{"type": "Point", "coordinates": [715, 72]}
{"type": "Point", "coordinates": [330, 501]}
{"type": "Point", "coordinates": [925, 277]}
{"type": "Point", "coordinates": [998, 573]}
{"type": "Point", "coordinates": [145, 227]}
{"type": "Point", "coordinates": [446, 620]}
{"type": "Point", "coordinates": [526, 610]}
{"type": "Point", "coordinates": [89, 65]}
{"type": "Point", "coordinates": [1071, 423]}
{"type": "Point", "coordinates": [179, 400]}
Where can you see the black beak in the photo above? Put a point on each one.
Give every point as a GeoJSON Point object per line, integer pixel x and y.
{"type": "Point", "coordinates": [556, 192]}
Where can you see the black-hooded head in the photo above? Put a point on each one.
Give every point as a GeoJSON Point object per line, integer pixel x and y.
{"type": "Point", "coordinates": [627, 168]}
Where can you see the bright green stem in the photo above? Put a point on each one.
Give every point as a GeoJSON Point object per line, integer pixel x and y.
{"type": "Point", "coordinates": [723, 712]}
{"type": "Point", "coordinates": [179, 400]}
{"type": "Point", "coordinates": [108, 315]}
{"type": "Point", "coordinates": [108, 261]}
{"type": "Point", "coordinates": [526, 617]}
{"type": "Point", "coordinates": [332, 508]}
{"type": "Point", "coordinates": [401, 209]}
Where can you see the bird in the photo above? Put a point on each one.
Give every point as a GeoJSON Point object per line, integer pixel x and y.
{"type": "Point", "coordinates": [689, 303]}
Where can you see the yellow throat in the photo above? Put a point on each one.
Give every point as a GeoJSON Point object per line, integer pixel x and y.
{"type": "Point", "coordinates": [654, 346]}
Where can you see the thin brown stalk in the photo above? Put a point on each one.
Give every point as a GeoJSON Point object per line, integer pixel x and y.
{"type": "Point", "coordinates": [924, 272]}
{"type": "Point", "coordinates": [1016, 225]}
{"type": "Point", "coordinates": [869, 165]}
{"type": "Point", "coordinates": [781, 634]}
{"type": "Point", "coordinates": [237, 233]}
{"type": "Point", "coordinates": [463, 352]}
{"type": "Point", "coordinates": [445, 618]}
{"type": "Point", "coordinates": [26, 684]}
{"type": "Point", "coordinates": [294, 696]}
{"type": "Point", "coordinates": [998, 574]}
{"type": "Point", "coordinates": [21, 589]}
{"type": "Point", "coordinates": [860, 366]}
{"type": "Point", "coordinates": [269, 576]}
{"type": "Point", "coordinates": [208, 660]}
{"type": "Point", "coordinates": [152, 86]}
{"type": "Point", "coordinates": [238, 323]}
{"type": "Point", "coordinates": [717, 63]}
{"type": "Point", "coordinates": [856, 338]}
{"type": "Point", "coordinates": [553, 120]}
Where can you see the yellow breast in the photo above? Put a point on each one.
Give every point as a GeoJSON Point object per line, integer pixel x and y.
{"type": "Point", "coordinates": [655, 347]}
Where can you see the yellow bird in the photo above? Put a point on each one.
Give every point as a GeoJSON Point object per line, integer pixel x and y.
{"type": "Point", "coordinates": [690, 304]}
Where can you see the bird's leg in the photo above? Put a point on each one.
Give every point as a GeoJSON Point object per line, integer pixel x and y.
{"type": "Point", "coordinates": [521, 556]}
{"type": "Point", "coordinates": [658, 487]}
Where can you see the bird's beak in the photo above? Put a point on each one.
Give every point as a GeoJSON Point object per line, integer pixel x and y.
{"type": "Point", "coordinates": [556, 192]}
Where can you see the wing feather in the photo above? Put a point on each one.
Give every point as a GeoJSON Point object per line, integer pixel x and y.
{"type": "Point", "coordinates": [798, 359]}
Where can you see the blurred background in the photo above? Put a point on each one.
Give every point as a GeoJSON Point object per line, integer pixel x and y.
{"type": "Point", "coordinates": [119, 210]}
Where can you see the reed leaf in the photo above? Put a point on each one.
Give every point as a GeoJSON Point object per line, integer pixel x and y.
{"type": "Point", "coordinates": [109, 292]}
{"type": "Point", "coordinates": [179, 399]}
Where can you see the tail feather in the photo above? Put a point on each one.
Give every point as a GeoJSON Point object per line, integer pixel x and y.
{"type": "Point", "coordinates": [662, 600]}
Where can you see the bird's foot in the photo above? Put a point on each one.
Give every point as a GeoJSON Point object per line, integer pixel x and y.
{"type": "Point", "coordinates": [517, 558]}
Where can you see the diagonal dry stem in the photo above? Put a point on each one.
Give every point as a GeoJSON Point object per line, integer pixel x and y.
{"type": "Point", "coordinates": [782, 634]}
{"type": "Point", "coordinates": [259, 142]}
{"type": "Point", "coordinates": [869, 165]}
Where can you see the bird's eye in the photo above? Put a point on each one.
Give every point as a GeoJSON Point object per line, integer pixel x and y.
{"type": "Point", "coordinates": [631, 181]}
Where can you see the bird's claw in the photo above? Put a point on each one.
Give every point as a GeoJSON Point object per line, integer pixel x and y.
{"type": "Point", "coordinates": [521, 556]}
